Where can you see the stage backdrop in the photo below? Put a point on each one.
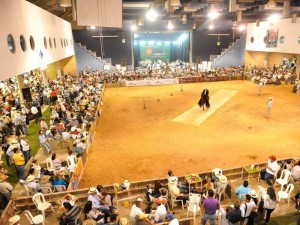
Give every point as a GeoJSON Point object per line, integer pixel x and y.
{"type": "Point", "coordinates": [155, 52]}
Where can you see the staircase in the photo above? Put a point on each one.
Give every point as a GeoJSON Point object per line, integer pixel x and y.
{"type": "Point", "coordinates": [234, 55]}
{"type": "Point", "coordinates": [86, 57]}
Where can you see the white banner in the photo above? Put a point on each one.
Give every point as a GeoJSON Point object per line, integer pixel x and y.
{"type": "Point", "coordinates": [151, 82]}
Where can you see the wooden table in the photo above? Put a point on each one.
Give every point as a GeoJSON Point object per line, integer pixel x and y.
{"type": "Point", "coordinates": [193, 179]}
{"type": "Point", "coordinates": [251, 171]}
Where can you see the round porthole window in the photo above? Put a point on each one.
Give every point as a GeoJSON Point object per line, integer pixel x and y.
{"type": "Point", "coordinates": [54, 42]}
{"type": "Point", "coordinates": [50, 42]}
{"type": "Point", "coordinates": [45, 42]}
{"type": "Point", "coordinates": [23, 43]}
{"type": "Point", "coordinates": [252, 39]}
{"type": "Point", "coordinates": [31, 40]}
{"type": "Point", "coordinates": [62, 43]}
{"type": "Point", "coordinates": [281, 39]}
{"type": "Point", "coordinates": [11, 43]}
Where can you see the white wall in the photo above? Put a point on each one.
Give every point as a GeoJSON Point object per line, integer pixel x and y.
{"type": "Point", "coordinates": [19, 17]}
{"type": "Point", "coordinates": [291, 32]}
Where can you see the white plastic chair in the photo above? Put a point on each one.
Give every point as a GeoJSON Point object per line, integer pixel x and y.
{"type": "Point", "coordinates": [193, 205]}
{"type": "Point", "coordinates": [173, 200]}
{"type": "Point", "coordinates": [28, 190]}
{"type": "Point", "coordinates": [38, 219]}
{"type": "Point", "coordinates": [220, 191]}
{"type": "Point", "coordinates": [59, 188]}
{"type": "Point", "coordinates": [217, 172]}
{"type": "Point", "coordinates": [286, 194]}
{"type": "Point", "coordinates": [284, 178]}
{"type": "Point", "coordinates": [72, 162]}
{"type": "Point", "coordinates": [40, 203]}
{"type": "Point", "coordinates": [165, 196]}
{"type": "Point", "coordinates": [262, 191]}
{"type": "Point", "coordinates": [50, 166]}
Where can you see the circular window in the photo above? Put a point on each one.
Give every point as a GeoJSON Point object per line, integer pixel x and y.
{"type": "Point", "coordinates": [45, 42]}
{"type": "Point", "coordinates": [299, 40]}
{"type": "Point", "coordinates": [265, 39]}
{"type": "Point", "coordinates": [11, 43]}
{"type": "Point", "coordinates": [50, 42]}
{"type": "Point", "coordinates": [23, 43]}
{"type": "Point", "coordinates": [281, 40]}
{"type": "Point", "coordinates": [31, 40]}
{"type": "Point", "coordinates": [62, 43]}
{"type": "Point", "coordinates": [54, 42]}
{"type": "Point", "coordinates": [252, 39]}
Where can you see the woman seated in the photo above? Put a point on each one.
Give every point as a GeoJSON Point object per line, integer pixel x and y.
{"type": "Point", "coordinates": [58, 180]}
{"type": "Point", "coordinates": [69, 217]}
{"type": "Point", "coordinates": [92, 213]}
{"type": "Point", "coordinates": [56, 162]}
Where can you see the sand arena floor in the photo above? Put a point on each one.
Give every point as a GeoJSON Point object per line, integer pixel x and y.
{"type": "Point", "coordinates": [138, 144]}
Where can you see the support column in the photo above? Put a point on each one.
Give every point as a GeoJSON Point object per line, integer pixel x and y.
{"type": "Point", "coordinates": [132, 49]}
{"type": "Point", "coordinates": [266, 60]}
{"type": "Point", "coordinates": [21, 85]}
{"type": "Point", "coordinates": [58, 69]}
{"type": "Point", "coordinates": [45, 77]}
{"type": "Point", "coordinates": [191, 47]}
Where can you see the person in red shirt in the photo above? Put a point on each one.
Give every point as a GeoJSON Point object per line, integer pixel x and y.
{"type": "Point", "coordinates": [53, 96]}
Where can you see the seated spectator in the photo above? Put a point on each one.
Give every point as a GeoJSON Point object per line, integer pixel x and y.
{"type": "Point", "coordinates": [93, 196]}
{"type": "Point", "coordinates": [65, 135]}
{"type": "Point", "coordinates": [296, 171]}
{"type": "Point", "coordinates": [77, 150]}
{"type": "Point", "coordinates": [107, 200]}
{"type": "Point", "coordinates": [297, 199]}
{"type": "Point", "coordinates": [272, 168]}
{"type": "Point", "coordinates": [287, 165]}
{"type": "Point", "coordinates": [5, 190]}
{"type": "Point", "coordinates": [57, 163]}
{"type": "Point", "coordinates": [161, 211]}
{"type": "Point", "coordinates": [136, 210]}
{"type": "Point", "coordinates": [175, 190]}
{"type": "Point", "coordinates": [69, 198]}
{"type": "Point", "coordinates": [68, 218]}
{"type": "Point", "coordinates": [43, 124]}
{"type": "Point", "coordinates": [33, 183]}
{"type": "Point", "coordinates": [93, 213]}
{"type": "Point", "coordinates": [171, 219]}
{"type": "Point", "coordinates": [182, 187]}
{"type": "Point", "coordinates": [114, 219]}
{"type": "Point", "coordinates": [58, 180]}
{"type": "Point", "coordinates": [242, 190]}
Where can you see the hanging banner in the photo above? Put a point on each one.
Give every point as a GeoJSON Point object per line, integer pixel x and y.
{"type": "Point", "coordinates": [155, 52]}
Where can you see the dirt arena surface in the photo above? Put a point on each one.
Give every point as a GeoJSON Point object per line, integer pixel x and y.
{"type": "Point", "coordinates": [138, 144]}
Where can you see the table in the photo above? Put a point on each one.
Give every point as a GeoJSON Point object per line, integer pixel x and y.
{"type": "Point", "coordinates": [250, 171]}
{"type": "Point", "coordinates": [193, 179]}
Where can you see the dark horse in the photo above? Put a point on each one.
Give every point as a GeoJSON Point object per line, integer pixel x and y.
{"type": "Point", "coordinates": [204, 100]}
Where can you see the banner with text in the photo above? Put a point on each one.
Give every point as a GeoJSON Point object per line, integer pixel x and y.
{"type": "Point", "coordinates": [155, 52]}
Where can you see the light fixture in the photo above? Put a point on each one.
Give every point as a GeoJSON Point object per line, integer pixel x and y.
{"type": "Point", "coordinates": [123, 39]}
{"type": "Point", "coordinates": [274, 18]}
{"type": "Point", "coordinates": [133, 26]}
{"type": "Point", "coordinates": [65, 3]}
{"type": "Point", "coordinates": [170, 25]}
{"type": "Point", "coordinates": [210, 27]}
{"type": "Point", "coordinates": [141, 22]}
{"type": "Point", "coordinates": [92, 27]}
{"type": "Point", "coordinates": [175, 3]}
{"type": "Point", "coordinates": [194, 26]}
{"type": "Point", "coordinates": [151, 15]}
{"type": "Point", "coordinates": [213, 15]}
{"type": "Point", "coordinates": [184, 19]}
{"type": "Point", "coordinates": [241, 27]}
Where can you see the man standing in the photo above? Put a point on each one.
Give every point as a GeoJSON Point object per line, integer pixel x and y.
{"type": "Point", "coordinates": [246, 208]}
{"type": "Point", "coordinates": [210, 206]}
{"type": "Point", "coordinates": [19, 163]}
{"type": "Point", "coordinates": [35, 113]}
{"type": "Point", "coordinates": [269, 172]}
{"type": "Point", "coordinates": [269, 106]}
{"type": "Point", "coordinates": [260, 85]}
{"type": "Point", "coordinates": [234, 216]}
{"type": "Point", "coordinates": [25, 148]}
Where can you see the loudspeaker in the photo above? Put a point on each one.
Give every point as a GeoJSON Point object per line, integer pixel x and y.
{"type": "Point", "coordinates": [27, 94]}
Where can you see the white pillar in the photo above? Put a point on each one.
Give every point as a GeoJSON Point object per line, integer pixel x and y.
{"type": "Point", "coordinates": [21, 85]}
{"type": "Point", "coordinates": [58, 69]}
{"type": "Point", "coordinates": [191, 47]}
{"type": "Point", "coordinates": [45, 78]}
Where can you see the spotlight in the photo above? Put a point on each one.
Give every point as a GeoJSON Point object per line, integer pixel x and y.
{"type": "Point", "coordinates": [151, 15]}
{"type": "Point", "coordinates": [170, 25]}
{"type": "Point", "coordinates": [241, 27]}
{"type": "Point", "coordinates": [123, 40]}
{"type": "Point", "coordinates": [133, 27]}
{"type": "Point", "coordinates": [213, 15]}
{"type": "Point", "coordinates": [92, 27]}
{"type": "Point", "coordinates": [211, 27]}
{"type": "Point", "coordinates": [274, 18]}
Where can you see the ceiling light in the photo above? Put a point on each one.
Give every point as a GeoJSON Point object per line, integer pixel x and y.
{"type": "Point", "coordinates": [65, 3]}
{"type": "Point", "coordinates": [211, 27]}
{"type": "Point", "coordinates": [151, 15]}
{"type": "Point", "coordinates": [93, 27]}
{"type": "Point", "coordinates": [175, 3]}
{"type": "Point", "coordinates": [123, 40]}
{"type": "Point", "coordinates": [241, 27]}
{"type": "Point", "coordinates": [133, 27]}
{"type": "Point", "coordinates": [141, 22]}
{"type": "Point", "coordinates": [213, 15]}
{"type": "Point", "coordinates": [274, 18]}
{"type": "Point", "coordinates": [170, 25]}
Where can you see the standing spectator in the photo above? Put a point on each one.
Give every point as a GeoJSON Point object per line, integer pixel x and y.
{"type": "Point", "coordinates": [260, 85]}
{"type": "Point", "coordinates": [210, 206]}
{"type": "Point", "coordinates": [18, 124]}
{"type": "Point", "coordinates": [234, 216]}
{"type": "Point", "coordinates": [269, 107]}
{"type": "Point", "coordinates": [25, 148]}
{"type": "Point", "coordinates": [19, 163]}
{"type": "Point", "coordinates": [43, 124]}
{"type": "Point", "coordinates": [246, 208]}
{"type": "Point", "coordinates": [43, 141]}
{"type": "Point", "coordinates": [269, 203]}
{"type": "Point", "coordinates": [5, 147]}
{"type": "Point", "coordinates": [269, 172]}
{"type": "Point", "coordinates": [35, 113]}
{"type": "Point", "coordinates": [5, 190]}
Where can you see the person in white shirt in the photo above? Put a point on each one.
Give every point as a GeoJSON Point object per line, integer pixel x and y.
{"type": "Point", "coordinates": [272, 168]}
{"type": "Point", "coordinates": [172, 220]}
{"type": "Point", "coordinates": [43, 124]}
{"type": "Point", "coordinates": [35, 113]}
{"type": "Point", "coordinates": [136, 210]}
{"type": "Point", "coordinates": [65, 135]}
{"type": "Point", "coordinates": [161, 211]}
{"type": "Point", "coordinates": [269, 203]}
{"type": "Point", "coordinates": [269, 107]}
{"type": "Point", "coordinates": [296, 171]}
{"type": "Point", "coordinates": [25, 148]}
{"type": "Point", "coordinates": [246, 208]}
